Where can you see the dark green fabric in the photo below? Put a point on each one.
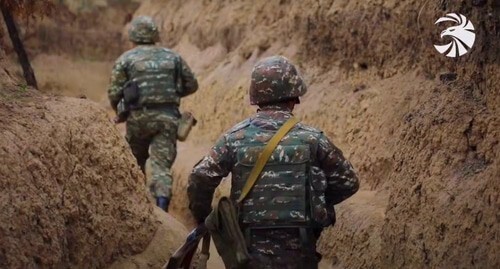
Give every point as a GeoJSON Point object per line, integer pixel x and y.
{"type": "Point", "coordinates": [161, 75]}
{"type": "Point", "coordinates": [280, 196]}
{"type": "Point", "coordinates": [154, 74]}
{"type": "Point", "coordinates": [275, 79]}
{"type": "Point", "coordinates": [143, 30]}
{"type": "Point", "coordinates": [223, 226]}
{"type": "Point", "coordinates": [275, 247]}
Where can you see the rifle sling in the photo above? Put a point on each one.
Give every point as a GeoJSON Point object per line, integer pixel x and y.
{"type": "Point", "coordinates": [205, 247]}
{"type": "Point", "coordinates": [255, 173]}
{"type": "Point", "coordinates": [264, 157]}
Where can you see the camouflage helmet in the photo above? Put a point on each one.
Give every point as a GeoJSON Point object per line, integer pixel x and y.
{"type": "Point", "coordinates": [143, 30]}
{"type": "Point", "coordinates": [275, 79]}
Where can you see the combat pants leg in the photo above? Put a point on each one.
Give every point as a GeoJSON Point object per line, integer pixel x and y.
{"type": "Point", "coordinates": [163, 152]}
{"type": "Point", "coordinates": [139, 144]}
{"type": "Point", "coordinates": [152, 134]}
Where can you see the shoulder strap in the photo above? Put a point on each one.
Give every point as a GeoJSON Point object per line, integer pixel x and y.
{"type": "Point", "coordinates": [264, 157]}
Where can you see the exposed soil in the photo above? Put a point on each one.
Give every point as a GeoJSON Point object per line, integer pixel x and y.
{"type": "Point", "coordinates": [87, 30]}
{"type": "Point", "coordinates": [168, 237]}
{"type": "Point", "coordinates": [72, 195]}
{"type": "Point", "coordinates": [67, 76]}
{"type": "Point", "coordinates": [426, 148]}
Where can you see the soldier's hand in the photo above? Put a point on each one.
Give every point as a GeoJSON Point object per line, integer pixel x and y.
{"type": "Point", "coordinates": [116, 120]}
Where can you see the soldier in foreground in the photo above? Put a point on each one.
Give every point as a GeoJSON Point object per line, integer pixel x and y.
{"type": "Point", "coordinates": [306, 175]}
{"type": "Point", "coordinates": [151, 80]}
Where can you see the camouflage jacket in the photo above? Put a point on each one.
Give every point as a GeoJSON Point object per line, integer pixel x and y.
{"type": "Point", "coordinates": [162, 75]}
{"type": "Point", "coordinates": [341, 180]}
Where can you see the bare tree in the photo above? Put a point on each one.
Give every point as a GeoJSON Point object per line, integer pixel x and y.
{"type": "Point", "coordinates": [29, 75]}
{"type": "Point", "coordinates": [25, 8]}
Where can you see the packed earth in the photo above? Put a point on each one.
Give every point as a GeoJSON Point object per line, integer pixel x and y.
{"type": "Point", "coordinates": [422, 130]}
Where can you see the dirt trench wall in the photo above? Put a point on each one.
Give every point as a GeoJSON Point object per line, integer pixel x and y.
{"type": "Point", "coordinates": [71, 195]}
{"type": "Point", "coordinates": [443, 208]}
{"type": "Point", "coordinates": [85, 30]}
{"type": "Point", "coordinates": [425, 144]}
{"type": "Point", "coordinates": [333, 42]}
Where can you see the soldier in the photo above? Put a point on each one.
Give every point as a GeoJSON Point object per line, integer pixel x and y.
{"type": "Point", "coordinates": [305, 177]}
{"type": "Point", "coordinates": [160, 78]}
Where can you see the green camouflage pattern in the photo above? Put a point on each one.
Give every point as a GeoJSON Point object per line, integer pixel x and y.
{"type": "Point", "coordinates": [152, 134]}
{"type": "Point", "coordinates": [280, 195]}
{"type": "Point", "coordinates": [163, 78]}
{"type": "Point", "coordinates": [304, 159]}
{"type": "Point", "coordinates": [275, 79]}
{"type": "Point", "coordinates": [143, 30]}
{"type": "Point", "coordinates": [281, 248]}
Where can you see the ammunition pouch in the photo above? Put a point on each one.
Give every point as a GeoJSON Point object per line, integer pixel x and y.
{"type": "Point", "coordinates": [128, 102]}
{"type": "Point", "coordinates": [131, 94]}
{"type": "Point", "coordinates": [186, 122]}
{"type": "Point", "coordinates": [222, 223]}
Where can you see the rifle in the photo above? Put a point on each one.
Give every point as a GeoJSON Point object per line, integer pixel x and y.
{"type": "Point", "coordinates": [183, 256]}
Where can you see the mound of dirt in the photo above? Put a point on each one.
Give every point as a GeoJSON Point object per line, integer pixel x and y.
{"type": "Point", "coordinates": [355, 242]}
{"type": "Point", "coordinates": [422, 129]}
{"type": "Point", "coordinates": [71, 194]}
{"type": "Point", "coordinates": [168, 237]}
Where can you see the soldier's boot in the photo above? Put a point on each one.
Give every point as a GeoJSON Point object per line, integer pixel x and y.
{"type": "Point", "coordinates": [163, 203]}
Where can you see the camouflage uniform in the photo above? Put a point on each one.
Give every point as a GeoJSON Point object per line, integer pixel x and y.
{"type": "Point", "coordinates": [304, 178]}
{"type": "Point", "coordinates": [163, 78]}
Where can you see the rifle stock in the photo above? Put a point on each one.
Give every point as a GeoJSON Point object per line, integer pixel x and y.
{"type": "Point", "coordinates": [183, 256]}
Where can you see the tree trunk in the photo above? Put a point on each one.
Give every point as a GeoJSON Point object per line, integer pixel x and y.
{"type": "Point", "coordinates": [29, 75]}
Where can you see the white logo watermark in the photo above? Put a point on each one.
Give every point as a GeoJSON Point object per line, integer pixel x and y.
{"type": "Point", "coordinates": [462, 35]}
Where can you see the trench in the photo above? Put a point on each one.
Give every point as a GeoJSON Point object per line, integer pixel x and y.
{"type": "Point", "coordinates": [386, 107]}
{"type": "Point", "coordinates": [62, 75]}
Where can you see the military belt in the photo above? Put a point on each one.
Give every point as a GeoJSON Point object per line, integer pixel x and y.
{"type": "Point", "coordinates": [156, 107]}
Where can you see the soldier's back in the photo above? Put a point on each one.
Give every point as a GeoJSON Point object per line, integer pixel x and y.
{"type": "Point", "coordinates": [279, 199]}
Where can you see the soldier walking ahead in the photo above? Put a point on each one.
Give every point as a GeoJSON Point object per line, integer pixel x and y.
{"type": "Point", "coordinates": [157, 78]}
{"type": "Point", "coordinates": [306, 175]}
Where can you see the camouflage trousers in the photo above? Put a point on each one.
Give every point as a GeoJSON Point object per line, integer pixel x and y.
{"type": "Point", "coordinates": [154, 136]}
{"type": "Point", "coordinates": [282, 248]}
